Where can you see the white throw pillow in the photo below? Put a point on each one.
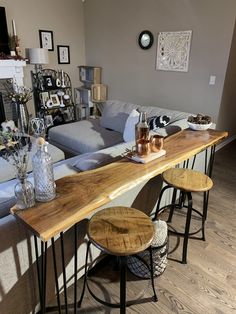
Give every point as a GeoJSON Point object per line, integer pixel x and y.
{"type": "Point", "coordinates": [129, 131]}
{"type": "Point", "coordinates": [100, 158]}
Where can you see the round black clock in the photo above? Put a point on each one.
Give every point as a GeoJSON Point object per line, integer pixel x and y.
{"type": "Point", "coordinates": [145, 39]}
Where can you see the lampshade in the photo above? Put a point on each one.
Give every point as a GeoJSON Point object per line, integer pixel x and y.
{"type": "Point", "coordinates": [38, 56]}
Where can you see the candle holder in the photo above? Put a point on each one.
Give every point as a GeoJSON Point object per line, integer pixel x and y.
{"type": "Point", "coordinates": [17, 44]}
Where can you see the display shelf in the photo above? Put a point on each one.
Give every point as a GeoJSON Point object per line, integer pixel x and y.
{"type": "Point", "coordinates": [47, 84]}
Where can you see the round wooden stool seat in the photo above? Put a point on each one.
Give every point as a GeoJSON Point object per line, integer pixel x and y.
{"type": "Point", "coordinates": [121, 231]}
{"type": "Point", "coordinates": [187, 180]}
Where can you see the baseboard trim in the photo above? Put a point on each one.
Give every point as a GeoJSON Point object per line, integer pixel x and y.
{"type": "Point", "coordinates": [225, 142]}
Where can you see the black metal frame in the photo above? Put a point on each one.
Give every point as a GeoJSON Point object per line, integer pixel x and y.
{"type": "Point", "coordinates": [41, 264]}
{"type": "Point", "coordinates": [123, 268]}
{"type": "Point", "coordinates": [181, 204]}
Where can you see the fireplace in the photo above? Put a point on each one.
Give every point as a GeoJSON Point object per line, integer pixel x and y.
{"type": "Point", "coordinates": [9, 69]}
{"type": "Point", "coordinates": [2, 110]}
{"type": "Point", "coordinates": [7, 109]}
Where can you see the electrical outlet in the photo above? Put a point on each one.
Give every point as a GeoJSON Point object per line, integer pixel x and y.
{"type": "Point", "coordinates": [212, 80]}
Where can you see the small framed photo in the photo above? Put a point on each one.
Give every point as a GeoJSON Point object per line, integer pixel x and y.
{"type": "Point", "coordinates": [48, 82]}
{"type": "Point", "coordinates": [63, 54]}
{"type": "Point", "coordinates": [55, 100]}
{"type": "Point", "coordinates": [48, 120]}
{"type": "Point", "coordinates": [44, 96]}
{"type": "Point", "coordinates": [46, 40]}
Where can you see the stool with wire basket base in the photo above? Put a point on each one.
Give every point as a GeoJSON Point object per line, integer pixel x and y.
{"type": "Point", "coordinates": [120, 232]}
{"type": "Point", "coordinates": [186, 181]}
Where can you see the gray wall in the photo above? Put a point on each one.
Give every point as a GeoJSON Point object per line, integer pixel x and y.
{"type": "Point", "coordinates": [111, 31]}
{"type": "Point", "coordinates": [64, 18]}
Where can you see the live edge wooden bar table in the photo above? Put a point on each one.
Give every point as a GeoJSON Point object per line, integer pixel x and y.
{"type": "Point", "coordinates": [80, 194]}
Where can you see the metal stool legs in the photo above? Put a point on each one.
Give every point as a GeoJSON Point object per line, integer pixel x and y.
{"type": "Point", "coordinates": [123, 262]}
{"type": "Point", "coordinates": [187, 227]}
{"type": "Point", "coordinates": [123, 269]}
{"type": "Point", "coordinates": [189, 206]}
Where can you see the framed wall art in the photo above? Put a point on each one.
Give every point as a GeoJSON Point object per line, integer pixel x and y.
{"type": "Point", "coordinates": [173, 50]}
{"type": "Point", "coordinates": [46, 39]}
{"type": "Point", "coordinates": [63, 54]}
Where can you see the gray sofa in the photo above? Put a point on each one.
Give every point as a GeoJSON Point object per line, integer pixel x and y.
{"type": "Point", "coordinates": [95, 134]}
{"type": "Point", "coordinates": [98, 142]}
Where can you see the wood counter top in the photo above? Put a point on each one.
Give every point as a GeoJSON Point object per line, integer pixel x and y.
{"type": "Point", "coordinates": [78, 195]}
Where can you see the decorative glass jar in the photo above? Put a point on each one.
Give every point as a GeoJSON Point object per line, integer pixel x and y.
{"type": "Point", "coordinates": [24, 192]}
{"type": "Point", "coordinates": [45, 187]}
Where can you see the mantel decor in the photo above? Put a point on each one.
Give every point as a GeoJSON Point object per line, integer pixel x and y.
{"type": "Point", "coordinates": [173, 51]}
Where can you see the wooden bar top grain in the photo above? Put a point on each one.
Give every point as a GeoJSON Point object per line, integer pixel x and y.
{"type": "Point", "coordinates": [80, 194]}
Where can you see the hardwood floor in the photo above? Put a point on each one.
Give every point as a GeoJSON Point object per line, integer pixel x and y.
{"type": "Point", "coordinates": [207, 284]}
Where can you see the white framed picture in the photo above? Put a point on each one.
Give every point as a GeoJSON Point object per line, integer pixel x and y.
{"type": "Point", "coordinates": [48, 120]}
{"type": "Point", "coordinates": [55, 100]}
{"type": "Point", "coordinates": [44, 98]}
{"type": "Point", "coordinates": [173, 50]}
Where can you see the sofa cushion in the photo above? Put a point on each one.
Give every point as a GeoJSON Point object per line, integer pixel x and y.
{"type": "Point", "coordinates": [129, 131]}
{"type": "Point", "coordinates": [101, 158]}
{"type": "Point", "coordinates": [8, 171]}
{"type": "Point", "coordinates": [83, 136]}
{"type": "Point", "coordinates": [5, 205]}
{"type": "Point", "coordinates": [115, 114]}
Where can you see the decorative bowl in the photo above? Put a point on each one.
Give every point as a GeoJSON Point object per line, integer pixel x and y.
{"type": "Point", "coordinates": [199, 127]}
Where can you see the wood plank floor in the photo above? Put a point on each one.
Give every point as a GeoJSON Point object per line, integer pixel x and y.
{"type": "Point", "coordinates": [207, 284]}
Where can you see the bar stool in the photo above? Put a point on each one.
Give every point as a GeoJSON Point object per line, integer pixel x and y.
{"type": "Point", "coordinates": [120, 231]}
{"type": "Point", "coordinates": [186, 181]}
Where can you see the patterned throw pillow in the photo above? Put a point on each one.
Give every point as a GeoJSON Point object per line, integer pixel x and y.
{"type": "Point", "coordinates": [158, 122]}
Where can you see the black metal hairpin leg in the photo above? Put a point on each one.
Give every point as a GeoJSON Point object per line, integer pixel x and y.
{"type": "Point", "coordinates": [152, 275]}
{"type": "Point", "coordinates": [41, 263]}
{"type": "Point", "coordinates": [64, 271]}
{"type": "Point", "coordinates": [123, 262]}
{"type": "Point", "coordinates": [56, 276]}
{"type": "Point", "coordinates": [85, 275]}
{"type": "Point", "coordinates": [187, 227]}
{"type": "Point", "coordinates": [75, 268]}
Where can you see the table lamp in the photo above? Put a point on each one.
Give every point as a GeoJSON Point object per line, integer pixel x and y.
{"type": "Point", "coordinates": [38, 56]}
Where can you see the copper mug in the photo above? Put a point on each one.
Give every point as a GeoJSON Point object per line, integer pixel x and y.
{"type": "Point", "coordinates": [156, 143]}
{"type": "Point", "coordinates": [143, 147]}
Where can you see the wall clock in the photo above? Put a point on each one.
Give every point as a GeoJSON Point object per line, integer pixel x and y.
{"type": "Point", "coordinates": [145, 39]}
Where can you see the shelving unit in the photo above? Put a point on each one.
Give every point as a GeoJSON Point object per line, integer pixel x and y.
{"type": "Point", "coordinates": [41, 88]}
{"type": "Point", "coordinates": [84, 95]}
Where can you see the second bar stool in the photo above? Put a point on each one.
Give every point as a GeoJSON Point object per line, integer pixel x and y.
{"type": "Point", "coordinates": [186, 181]}
{"type": "Point", "coordinates": [120, 231]}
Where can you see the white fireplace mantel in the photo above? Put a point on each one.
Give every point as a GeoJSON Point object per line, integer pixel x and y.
{"type": "Point", "coordinates": [12, 69]}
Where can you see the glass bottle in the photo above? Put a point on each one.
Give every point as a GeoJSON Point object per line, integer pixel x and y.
{"type": "Point", "coordinates": [142, 128]}
{"type": "Point", "coordinates": [24, 192]}
{"type": "Point", "coordinates": [44, 184]}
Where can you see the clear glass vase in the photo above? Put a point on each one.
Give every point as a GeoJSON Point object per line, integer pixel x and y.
{"type": "Point", "coordinates": [45, 187]}
{"type": "Point", "coordinates": [24, 192]}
